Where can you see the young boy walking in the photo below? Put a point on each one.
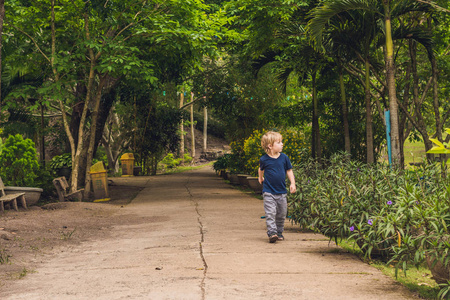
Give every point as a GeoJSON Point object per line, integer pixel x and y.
{"type": "Point", "coordinates": [273, 168]}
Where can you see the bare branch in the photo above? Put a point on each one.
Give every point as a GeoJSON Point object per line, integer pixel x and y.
{"type": "Point", "coordinates": [425, 91]}
{"type": "Point", "coordinates": [410, 118]}
{"type": "Point", "coordinates": [447, 50]}
{"type": "Point", "coordinates": [192, 102]}
{"type": "Point", "coordinates": [381, 81]}
{"type": "Point", "coordinates": [379, 108]}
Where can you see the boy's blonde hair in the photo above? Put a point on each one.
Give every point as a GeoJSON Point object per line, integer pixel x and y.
{"type": "Point", "coordinates": [269, 138]}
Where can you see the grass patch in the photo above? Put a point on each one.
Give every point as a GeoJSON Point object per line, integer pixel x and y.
{"type": "Point", "coordinates": [181, 169]}
{"type": "Point", "coordinates": [418, 280]}
{"type": "Point", "coordinates": [351, 246]}
{"type": "Point", "coordinates": [414, 152]}
{"type": "Point", "coordinates": [24, 273]}
{"type": "Point", "coordinates": [4, 257]}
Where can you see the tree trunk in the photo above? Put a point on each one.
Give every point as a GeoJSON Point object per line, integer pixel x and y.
{"type": "Point", "coordinates": [390, 80]}
{"type": "Point", "coordinates": [93, 129]}
{"type": "Point", "coordinates": [344, 114]}
{"type": "Point", "coordinates": [77, 112]}
{"type": "Point", "coordinates": [106, 104]}
{"type": "Point", "coordinates": [42, 146]}
{"type": "Point", "coordinates": [417, 105]}
{"type": "Point", "coordinates": [2, 17]}
{"type": "Point", "coordinates": [437, 115]}
{"type": "Point", "coordinates": [434, 74]}
{"type": "Point", "coordinates": [112, 159]}
{"type": "Point", "coordinates": [436, 99]}
{"type": "Point", "coordinates": [317, 153]}
{"type": "Point", "coordinates": [205, 129]}
{"type": "Point", "coordinates": [76, 151]}
{"type": "Point", "coordinates": [182, 130]}
{"type": "Point", "coordinates": [369, 118]}
{"type": "Point", "coordinates": [135, 125]}
{"type": "Point", "coordinates": [192, 127]}
{"type": "Point", "coordinates": [405, 126]}
{"type": "Point", "coordinates": [74, 174]}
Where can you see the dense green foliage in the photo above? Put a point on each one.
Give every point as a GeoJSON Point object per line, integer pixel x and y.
{"type": "Point", "coordinates": [18, 162]}
{"type": "Point", "coordinates": [316, 43]}
{"type": "Point", "coordinates": [245, 154]}
{"type": "Point", "coordinates": [400, 216]}
{"type": "Point", "coordinates": [60, 161]}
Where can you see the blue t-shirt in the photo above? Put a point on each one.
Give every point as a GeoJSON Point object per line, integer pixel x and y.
{"type": "Point", "coordinates": [275, 173]}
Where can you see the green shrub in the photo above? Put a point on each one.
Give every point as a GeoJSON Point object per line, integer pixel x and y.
{"type": "Point", "coordinates": [44, 181]}
{"type": "Point", "coordinates": [18, 161]}
{"type": "Point", "coordinates": [187, 158]}
{"type": "Point", "coordinates": [420, 220]}
{"type": "Point", "coordinates": [346, 199]}
{"type": "Point", "coordinates": [246, 153]}
{"type": "Point", "coordinates": [222, 162]}
{"type": "Point", "coordinates": [170, 161]}
{"type": "Point", "coordinates": [400, 216]}
{"type": "Point", "coordinates": [60, 161]}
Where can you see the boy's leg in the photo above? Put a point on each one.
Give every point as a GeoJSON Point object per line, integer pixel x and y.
{"type": "Point", "coordinates": [270, 207]}
{"type": "Point", "coordinates": [281, 213]}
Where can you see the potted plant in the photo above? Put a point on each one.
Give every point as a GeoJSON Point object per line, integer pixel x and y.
{"type": "Point", "coordinates": [221, 164]}
{"type": "Point", "coordinates": [62, 164]}
{"type": "Point", "coordinates": [254, 184]}
{"type": "Point", "coordinates": [19, 167]}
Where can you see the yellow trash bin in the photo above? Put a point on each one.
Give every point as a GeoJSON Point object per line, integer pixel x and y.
{"type": "Point", "coordinates": [127, 161]}
{"type": "Point", "coordinates": [99, 181]}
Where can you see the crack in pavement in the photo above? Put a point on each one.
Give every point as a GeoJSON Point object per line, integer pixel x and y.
{"type": "Point", "coordinates": [202, 239]}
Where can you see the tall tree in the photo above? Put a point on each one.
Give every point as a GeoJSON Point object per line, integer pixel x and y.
{"type": "Point", "coordinates": [382, 10]}
{"type": "Point", "coordinates": [2, 16]}
{"type": "Point", "coordinates": [113, 40]}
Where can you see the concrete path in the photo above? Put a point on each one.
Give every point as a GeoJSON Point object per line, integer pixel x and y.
{"type": "Point", "coordinates": [199, 238]}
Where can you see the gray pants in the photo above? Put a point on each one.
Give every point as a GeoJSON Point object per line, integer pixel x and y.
{"type": "Point", "coordinates": [275, 207]}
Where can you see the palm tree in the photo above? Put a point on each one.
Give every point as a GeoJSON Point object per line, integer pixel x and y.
{"type": "Point", "coordinates": [306, 63]}
{"type": "Point", "coordinates": [349, 38]}
{"type": "Point", "coordinates": [381, 11]}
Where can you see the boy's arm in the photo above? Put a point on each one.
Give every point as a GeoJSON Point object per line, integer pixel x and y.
{"type": "Point", "coordinates": [260, 175]}
{"type": "Point", "coordinates": [290, 175]}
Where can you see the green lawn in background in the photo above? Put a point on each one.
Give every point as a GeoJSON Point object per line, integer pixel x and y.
{"type": "Point", "coordinates": [414, 153]}
{"type": "Point", "coordinates": [418, 280]}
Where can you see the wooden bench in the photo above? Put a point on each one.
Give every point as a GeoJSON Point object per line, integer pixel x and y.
{"type": "Point", "coordinates": [10, 198]}
{"type": "Point", "coordinates": [62, 187]}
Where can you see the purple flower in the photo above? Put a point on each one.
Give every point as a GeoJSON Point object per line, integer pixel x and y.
{"type": "Point", "coordinates": [389, 202]}
{"type": "Point", "coordinates": [370, 222]}
{"type": "Point", "coordinates": [358, 169]}
{"type": "Point", "coordinates": [352, 228]}
{"type": "Point", "coordinates": [308, 181]}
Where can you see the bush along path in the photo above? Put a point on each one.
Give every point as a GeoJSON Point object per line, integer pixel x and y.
{"type": "Point", "coordinates": [400, 217]}
{"type": "Point", "coordinates": [193, 236]}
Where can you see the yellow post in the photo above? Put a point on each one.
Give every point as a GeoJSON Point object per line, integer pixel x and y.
{"type": "Point", "coordinates": [99, 180]}
{"type": "Point", "coordinates": [127, 161]}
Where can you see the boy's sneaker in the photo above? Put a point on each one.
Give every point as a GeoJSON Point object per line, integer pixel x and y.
{"type": "Point", "coordinates": [280, 237]}
{"type": "Point", "coordinates": [273, 238]}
